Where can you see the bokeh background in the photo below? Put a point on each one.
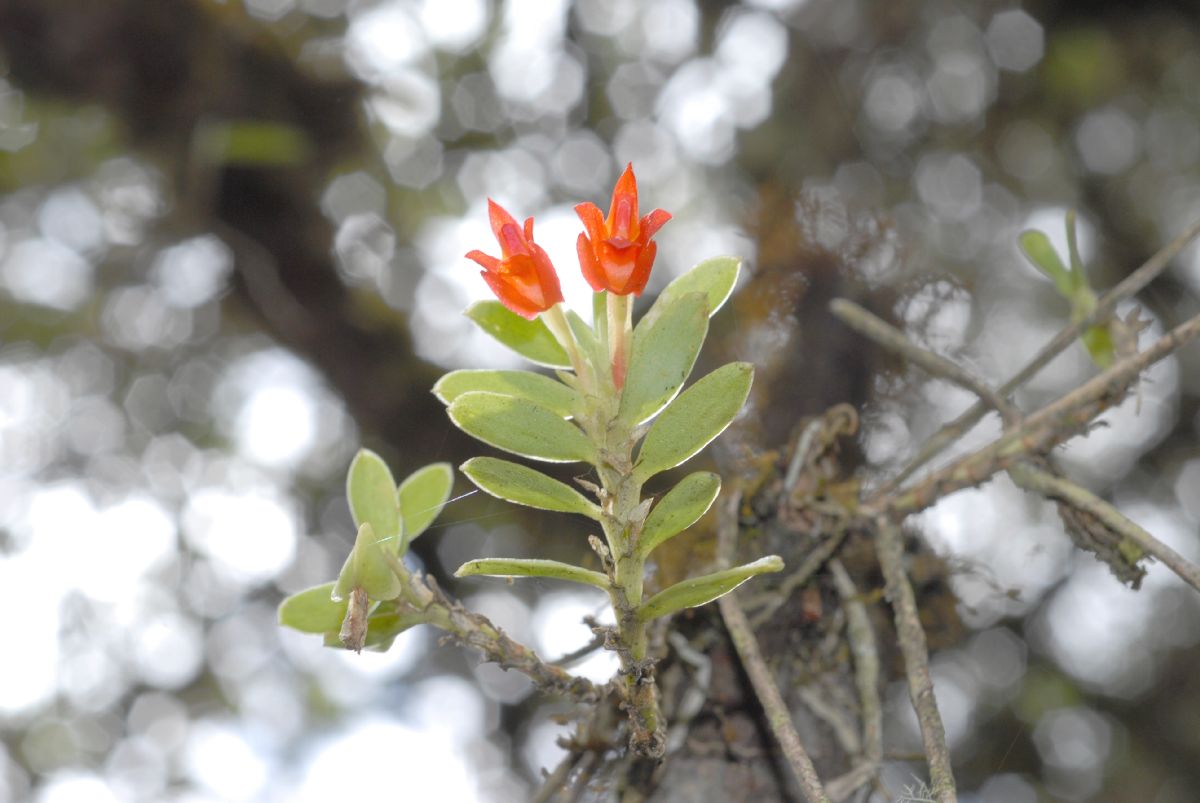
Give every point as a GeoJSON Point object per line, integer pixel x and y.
{"type": "Point", "coordinates": [231, 239]}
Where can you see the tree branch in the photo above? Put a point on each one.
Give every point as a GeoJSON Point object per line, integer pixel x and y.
{"type": "Point", "coordinates": [1127, 288]}
{"type": "Point", "coordinates": [916, 659]}
{"type": "Point", "coordinates": [1056, 422]}
{"type": "Point", "coordinates": [779, 718]}
{"type": "Point", "coordinates": [1042, 482]}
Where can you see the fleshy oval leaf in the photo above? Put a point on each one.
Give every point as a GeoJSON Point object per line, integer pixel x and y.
{"type": "Point", "coordinates": [545, 391]}
{"type": "Point", "coordinates": [422, 496]}
{"type": "Point", "coordinates": [522, 485]}
{"type": "Point", "coordinates": [366, 568]}
{"type": "Point", "coordinates": [714, 277]}
{"type": "Point", "coordinates": [531, 339]}
{"type": "Point", "coordinates": [699, 414]}
{"type": "Point", "coordinates": [371, 492]}
{"type": "Point", "coordinates": [313, 610]}
{"type": "Point", "coordinates": [700, 590]}
{"type": "Point", "coordinates": [532, 567]}
{"type": "Point", "coordinates": [664, 351]}
{"type": "Point", "coordinates": [1038, 249]}
{"type": "Point", "coordinates": [521, 427]}
{"type": "Point", "coordinates": [680, 508]}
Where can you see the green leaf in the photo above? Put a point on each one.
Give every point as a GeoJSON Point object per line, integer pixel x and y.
{"type": "Point", "coordinates": [664, 351]}
{"type": "Point", "coordinates": [523, 384]}
{"type": "Point", "coordinates": [371, 492]}
{"type": "Point", "coordinates": [714, 278]}
{"type": "Point", "coordinates": [1099, 344]}
{"type": "Point", "coordinates": [1078, 274]}
{"type": "Point", "coordinates": [366, 568]}
{"type": "Point", "coordinates": [521, 427]}
{"type": "Point", "coordinates": [313, 610]}
{"type": "Point", "coordinates": [422, 496]}
{"type": "Point", "coordinates": [700, 414]}
{"type": "Point", "coordinates": [680, 508]}
{"type": "Point", "coordinates": [525, 486]}
{"type": "Point", "coordinates": [530, 567]}
{"type": "Point", "coordinates": [531, 339]}
{"type": "Point", "coordinates": [1040, 252]}
{"type": "Point", "coordinates": [699, 590]}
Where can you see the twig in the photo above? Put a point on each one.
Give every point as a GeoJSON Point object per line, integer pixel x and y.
{"type": "Point", "coordinates": [861, 636]}
{"type": "Point", "coordinates": [916, 660]}
{"type": "Point", "coordinates": [840, 719]}
{"type": "Point", "coordinates": [845, 785]}
{"type": "Point", "coordinates": [888, 336]}
{"type": "Point", "coordinates": [691, 702]}
{"type": "Point", "coordinates": [557, 780]}
{"type": "Point", "coordinates": [1038, 432]}
{"type": "Point", "coordinates": [1127, 288]}
{"type": "Point", "coordinates": [1043, 482]}
{"type": "Point", "coordinates": [812, 563]}
{"type": "Point", "coordinates": [779, 719]}
{"type": "Point", "coordinates": [475, 630]}
{"type": "Point", "coordinates": [576, 655]}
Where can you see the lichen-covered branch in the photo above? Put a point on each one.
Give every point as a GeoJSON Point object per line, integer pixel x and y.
{"type": "Point", "coordinates": [779, 718]}
{"type": "Point", "coordinates": [861, 637]}
{"type": "Point", "coordinates": [1055, 423]}
{"type": "Point", "coordinates": [1043, 482]}
{"type": "Point", "coordinates": [477, 631]}
{"type": "Point", "coordinates": [916, 659]}
{"type": "Point", "coordinates": [1127, 288]}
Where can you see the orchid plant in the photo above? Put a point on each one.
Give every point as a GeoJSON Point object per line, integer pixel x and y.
{"type": "Point", "coordinates": [614, 403]}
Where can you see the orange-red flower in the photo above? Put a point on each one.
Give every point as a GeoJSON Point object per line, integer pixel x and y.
{"type": "Point", "coordinates": [616, 253]}
{"type": "Point", "coordinates": [523, 278]}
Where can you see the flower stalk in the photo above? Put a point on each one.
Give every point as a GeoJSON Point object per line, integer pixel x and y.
{"type": "Point", "coordinates": [620, 331]}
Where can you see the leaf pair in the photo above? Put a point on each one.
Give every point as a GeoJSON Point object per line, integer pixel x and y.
{"type": "Point", "coordinates": [388, 518]}
{"type": "Point", "coordinates": [690, 593]}
{"type": "Point", "coordinates": [1072, 284]}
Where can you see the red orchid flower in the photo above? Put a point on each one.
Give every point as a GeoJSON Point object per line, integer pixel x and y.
{"type": "Point", "coordinates": [523, 278]}
{"type": "Point", "coordinates": [616, 253]}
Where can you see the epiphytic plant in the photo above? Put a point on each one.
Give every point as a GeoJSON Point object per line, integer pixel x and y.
{"type": "Point", "coordinates": [614, 403]}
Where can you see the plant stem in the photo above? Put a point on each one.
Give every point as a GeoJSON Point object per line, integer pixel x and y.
{"type": "Point", "coordinates": [620, 325]}
{"type": "Point", "coordinates": [621, 525]}
{"type": "Point", "coordinates": [556, 322]}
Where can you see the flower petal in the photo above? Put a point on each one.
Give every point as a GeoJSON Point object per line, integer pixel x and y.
{"type": "Point", "coordinates": [485, 261]}
{"type": "Point", "coordinates": [509, 297]}
{"type": "Point", "coordinates": [512, 241]}
{"type": "Point", "coordinates": [652, 222]}
{"type": "Point", "coordinates": [641, 272]}
{"type": "Point", "coordinates": [499, 218]}
{"type": "Point", "coordinates": [593, 220]}
{"type": "Point", "coordinates": [588, 265]}
{"type": "Point", "coordinates": [547, 277]}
